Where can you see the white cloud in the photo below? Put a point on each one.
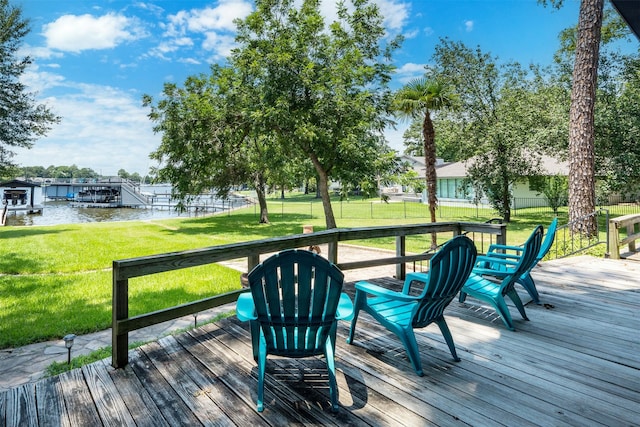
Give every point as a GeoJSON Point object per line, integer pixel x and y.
{"type": "Point", "coordinates": [75, 33]}
{"type": "Point", "coordinates": [395, 13]}
{"type": "Point", "coordinates": [412, 34]}
{"type": "Point", "coordinates": [102, 128]}
{"type": "Point", "coordinates": [219, 18]}
{"type": "Point", "coordinates": [410, 71]}
{"type": "Point", "coordinates": [39, 52]}
{"type": "Point", "coordinates": [220, 44]}
{"type": "Point", "coordinates": [216, 24]}
{"type": "Point", "coordinates": [169, 46]}
{"type": "Point", "coordinates": [156, 10]}
{"type": "Point", "coordinates": [468, 26]}
{"type": "Point", "coordinates": [39, 81]}
{"type": "Point", "coordinates": [191, 61]}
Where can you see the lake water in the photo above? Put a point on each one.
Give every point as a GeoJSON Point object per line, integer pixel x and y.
{"type": "Point", "coordinates": [62, 212]}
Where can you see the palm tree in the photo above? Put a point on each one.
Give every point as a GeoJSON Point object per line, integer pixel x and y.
{"type": "Point", "coordinates": [417, 99]}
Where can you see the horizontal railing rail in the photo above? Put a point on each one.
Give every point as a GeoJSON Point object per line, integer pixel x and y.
{"type": "Point", "coordinates": [125, 269]}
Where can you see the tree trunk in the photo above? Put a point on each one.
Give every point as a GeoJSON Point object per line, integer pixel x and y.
{"type": "Point", "coordinates": [581, 118]}
{"type": "Point", "coordinates": [506, 201]}
{"type": "Point", "coordinates": [323, 189]}
{"type": "Point", "coordinates": [262, 198]}
{"type": "Point", "coordinates": [429, 137]}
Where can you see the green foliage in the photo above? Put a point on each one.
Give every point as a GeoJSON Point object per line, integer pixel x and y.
{"type": "Point", "coordinates": [617, 125]}
{"type": "Point", "coordinates": [412, 139]}
{"type": "Point", "coordinates": [22, 120]}
{"type": "Point", "coordinates": [205, 134]}
{"type": "Point", "coordinates": [298, 100]}
{"type": "Point", "coordinates": [505, 118]}
{"type": "Point", "coordinates": [321, 88]}
{"type": "Point", "coordinates": [556, 191]}
{"type": "Point", "coordinates": [57, 368]}
{"type": "Point", "coordinates": [409, 179]}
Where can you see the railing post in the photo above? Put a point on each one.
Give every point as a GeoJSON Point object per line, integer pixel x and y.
{"type": "Point", "coordinates": [332, 256]}
{"type": "Point", "coordinates": [401, 269]}
{"type": "Point", "coordinates": [614, 238]}
{"type": "Point", "coordinates": [631, 230]}
{"type": "Point", "coordinates": [252, 261]}
{"type": "Point", "coordinates": [608, 233]}
{"type": "Point", "coordinates": [501, 239]}
{"type": "Point", "coordinates": [120, 311]}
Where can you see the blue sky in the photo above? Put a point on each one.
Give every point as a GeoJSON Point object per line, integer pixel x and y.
{"type": "Point", "coordinates": [93, 60]}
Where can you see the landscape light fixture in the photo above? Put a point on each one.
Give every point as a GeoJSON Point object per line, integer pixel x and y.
{"type": "Point", "coordinates": [68, 342]}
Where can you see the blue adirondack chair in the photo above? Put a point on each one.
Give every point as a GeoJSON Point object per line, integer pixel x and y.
{"type": "Point", "coordinates": [401, 312]}
{"type": "Point", "coordinates": [494, 292]}
{"type": "Point", "coordinates": [486, 267]}
{"type": "Point", "coordinates": [295, 301]}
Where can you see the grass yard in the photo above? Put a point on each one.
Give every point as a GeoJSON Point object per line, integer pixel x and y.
{"type": "Point", "coordinates": [56, 280]}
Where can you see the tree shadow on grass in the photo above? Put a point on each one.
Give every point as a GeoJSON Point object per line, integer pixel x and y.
{"type": "Point", "coordinates": [246, 225]}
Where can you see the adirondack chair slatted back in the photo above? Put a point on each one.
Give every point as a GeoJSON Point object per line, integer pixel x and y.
{"type": "Point", "coordinates": [449, 268]}
{"type": "Point", "coordinates": [549, 237]}
{"type": "Point", "coordinates": [296, 296]}
{"type": "Point", "coordinates": [531, 249]}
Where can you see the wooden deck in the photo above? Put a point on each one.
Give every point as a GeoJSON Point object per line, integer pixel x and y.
{"type": "Point", "coordinates": [577, 362]}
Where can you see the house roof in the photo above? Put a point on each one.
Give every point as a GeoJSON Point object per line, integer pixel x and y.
{"type": "Point", "coordinates": [550, 165]}
{"type": "Point", "coordinates": [17, 183]}
{"type": "Point", "coordinates": [630, 12]}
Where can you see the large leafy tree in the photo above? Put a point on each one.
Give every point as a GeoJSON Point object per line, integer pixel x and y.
{"type": "Point", "coordinates": [504, 115]}
{"type": "Point", "coordinates": [22, 119]}
{"type": "Point", "coordinates": [419, 98]}
{"type": "Point", "coordinates": [321, 88]}
{"type": "Point", "coordinates": [617, 125]}
{"type": "Point", "coordinates": [210, 137]}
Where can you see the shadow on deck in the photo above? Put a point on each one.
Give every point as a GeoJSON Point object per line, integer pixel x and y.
{"type": "Point", "coordinates": [577, 362]}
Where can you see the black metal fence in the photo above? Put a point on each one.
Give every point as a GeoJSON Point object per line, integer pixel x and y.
{"type": "Point", "coordinates": [407, 209]}
{"type": "Point", "coordinates": [568, 242]}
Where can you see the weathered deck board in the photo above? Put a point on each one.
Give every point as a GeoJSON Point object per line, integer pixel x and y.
{"type": "Point", "coordinates": [577, 362]}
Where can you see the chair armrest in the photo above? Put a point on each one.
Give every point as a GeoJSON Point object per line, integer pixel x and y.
{"type": "Point", "coordinates": [379, 291]}
{"type": "Point", "coordinates": [503, 255]}
{"type": "Point", "coordinates": [245, 308]}
{"type": "Point", "coordinates": [500, 274]}
{"type": "Point", "coordinates": [500, 261]}
{"type": "Point", "coordinates": [345, 308]}
{"type": "Point", "coordinates": [495, 246]}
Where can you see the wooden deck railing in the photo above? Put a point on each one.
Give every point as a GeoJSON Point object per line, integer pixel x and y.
{"type": "Point", "coordinates": [631, 224]}
{"type": "Point", "coordinates": [123, 270]}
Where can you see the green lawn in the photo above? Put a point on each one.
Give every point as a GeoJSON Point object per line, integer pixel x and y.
{"type": "Point", "coordinates": [56, 280]}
